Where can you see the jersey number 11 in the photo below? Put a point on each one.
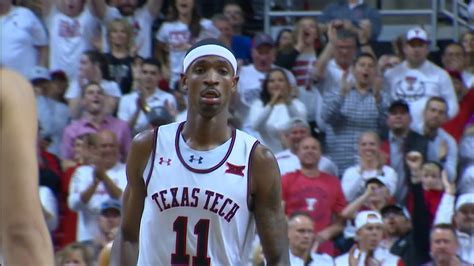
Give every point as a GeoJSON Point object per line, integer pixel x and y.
{"type": "Point", "coordinates": [201, 230]}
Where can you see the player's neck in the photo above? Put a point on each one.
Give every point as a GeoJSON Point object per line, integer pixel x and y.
{"type": "Point", "coordinates": [204, 134]}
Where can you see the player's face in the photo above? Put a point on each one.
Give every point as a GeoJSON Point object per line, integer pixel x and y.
{"type": "Point", "coordinates": [210, 82]}
{"type": "Point", "coordinates": [301, 233]}
{"type": "Point", "coordinates": [398, 119]}
{"type": "Point", "coordinates": [443, 245]}
{"type": "Point", "coordinates": [416, 51]}
{"type": "Point", "coordinates": [309, 152]}
{"type": "Point", "coordinates": [465, 218]}
{"type": "Point", "coordinates": [93, 99]}
{"type": "Point", "coordinates": [435, 114]}
{"type": "Point", "coordinates": [370, 235]}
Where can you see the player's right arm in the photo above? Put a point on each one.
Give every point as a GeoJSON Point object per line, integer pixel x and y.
{"type": "Point", "coordinates": [125, 248]}
{"type": "Point", "coordinates": [24, 238]}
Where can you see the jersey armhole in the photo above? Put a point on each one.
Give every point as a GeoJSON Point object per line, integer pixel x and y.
{"type": "Point", "coordinates": [250, 203]}
{"type": "Point", "coordinates": [152, 162]}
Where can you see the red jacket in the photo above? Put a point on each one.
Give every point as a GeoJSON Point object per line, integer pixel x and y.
{"type": "Point", "coordinates": [456, 126]}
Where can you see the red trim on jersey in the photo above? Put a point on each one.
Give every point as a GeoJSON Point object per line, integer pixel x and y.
{"type": "Point", "coordinates": [155, 140]}
{"type": "Point", "coordinates": [249, 179]}
{"type": "Point", "coordinates": [202, 171]}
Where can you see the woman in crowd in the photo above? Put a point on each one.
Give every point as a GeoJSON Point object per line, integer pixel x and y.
{"type": "Point", "coordinates": [371, 164]}
{"type": "Point", "coordinates": [184, 27]}
{"type": "Point", "coordinates": [356, 107]}
{"type": "Point", "coordinates": [274, 109]}
{"type": "Point", "coordinates": [122, 50]}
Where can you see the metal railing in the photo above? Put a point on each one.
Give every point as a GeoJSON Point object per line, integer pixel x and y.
{"type": "Point", "coordinates": [438, 7]}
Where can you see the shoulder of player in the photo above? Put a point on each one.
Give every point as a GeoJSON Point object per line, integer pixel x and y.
{"type": "Point", "coordinates": [14, 88]}
{"type": "Point", "coordinates": [144, 140]}
{"type": "Point", "coordinates": [263, 164]}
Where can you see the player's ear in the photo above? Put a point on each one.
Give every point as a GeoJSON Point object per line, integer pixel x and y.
{"type": "Point", "coordinates": [235, 80]}
{"type": "Point", "coordinates": [183, 80]}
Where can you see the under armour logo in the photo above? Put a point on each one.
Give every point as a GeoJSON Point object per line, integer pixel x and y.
{"type": "Point", "coordinates": [192, 159]}
{"type": "Point", "coordinates": [235, 169]}
{"type": "Point", "coordinates": [162, 160]}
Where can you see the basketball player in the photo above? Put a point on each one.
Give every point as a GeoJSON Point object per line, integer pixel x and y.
{"type": "Point", "coordinates": [198, 189]}
{"type": "Point", "coordinates": [24, 238]}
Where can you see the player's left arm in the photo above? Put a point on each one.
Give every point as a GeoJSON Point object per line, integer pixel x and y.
{"type": "Point", "coordinates": [268, 210]}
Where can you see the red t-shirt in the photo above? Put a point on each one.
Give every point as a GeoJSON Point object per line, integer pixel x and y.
{"type": "Point", "coordinates": [321, 197]}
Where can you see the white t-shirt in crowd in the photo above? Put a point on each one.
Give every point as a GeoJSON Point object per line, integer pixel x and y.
{"type": "Point", "coordinates": [69, 38]}
{"type": "Point", "coordinates": [176, 34]}
{"type": "Point", "coordinates": [50, 205]}
{"type": "Point", "coordinates": [111, 88]}
{"type": "Point", "coordinates": [128, 106]}
{"type": "Point", "coordinates": [141, 21]}
{"type": "Point", "coordinates": [416, 86]}
{"type": "Point", "coordinates": [87, 227]}
{"type": "Point", "coordinates": [21, 34]}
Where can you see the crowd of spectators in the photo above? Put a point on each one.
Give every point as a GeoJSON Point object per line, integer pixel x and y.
{"type": "Point", "coordinates": [375, 148]}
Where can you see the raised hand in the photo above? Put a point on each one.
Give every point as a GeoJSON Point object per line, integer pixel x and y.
{"type": "Point", "coordinates": [414, 160]}
{"type": "Point", "coordinates": [449, 187]}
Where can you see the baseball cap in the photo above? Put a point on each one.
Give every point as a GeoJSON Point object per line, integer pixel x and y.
{"type": "Point", "coordinates": [467, 198]}
{"type": "Point", "coordinates": [367, 217]}
{"type": "Point", "coordinates": [38, 73]}
{"type": "Point", "coordinates": [399, 103]}
{"type": "Point", "coordinates": [417, 33]}
{"type": "Point", "coordinates": [381, 179]}
{"type": "Point", "coordinates": [111, 204]}
{"type": "Point", "coordinates": [262, 39]}
{"type": "Point", "coordinates": [395, 208]}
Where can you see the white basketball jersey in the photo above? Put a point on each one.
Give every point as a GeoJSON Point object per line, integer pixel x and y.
{"type": "Point", "coordinates": [196, 216]}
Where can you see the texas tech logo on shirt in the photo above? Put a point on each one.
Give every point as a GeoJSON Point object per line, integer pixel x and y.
{"type": "Point", "coordinates": [410, 88]}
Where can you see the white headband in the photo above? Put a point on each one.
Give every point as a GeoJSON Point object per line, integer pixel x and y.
{"type": "Point", "coordinates": [209, 49]}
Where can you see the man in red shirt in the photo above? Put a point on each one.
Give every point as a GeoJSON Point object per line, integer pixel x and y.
{"type": "Point", "coordinates": [315, 192]}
